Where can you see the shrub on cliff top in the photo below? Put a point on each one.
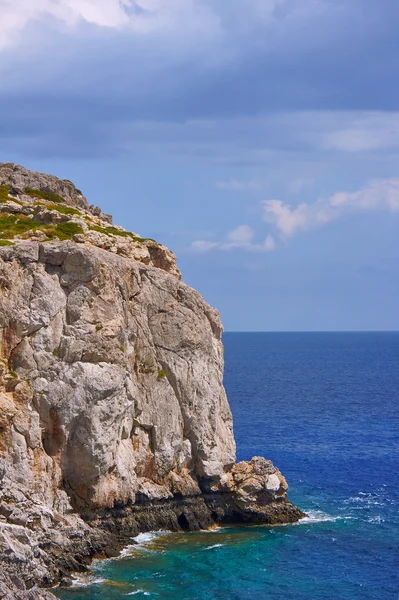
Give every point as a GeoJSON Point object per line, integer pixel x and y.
{"type": "Point", "coordinates": [51, 196]}
{"type": "Point", "coordinates": [110, 230]}
{"type": "Point", "coordinates": [12, 225]}
{"type": "Point", "coordinates": [65, 210]}
{"type": "Point", "coordinates": [121, 233]}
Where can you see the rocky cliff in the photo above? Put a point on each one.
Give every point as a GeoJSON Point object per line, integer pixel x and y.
{"type": "Point", "coordinates": [113, 415]}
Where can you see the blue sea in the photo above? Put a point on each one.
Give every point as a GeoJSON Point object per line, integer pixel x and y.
{"type": "Point", "coordinates": [324, 408]}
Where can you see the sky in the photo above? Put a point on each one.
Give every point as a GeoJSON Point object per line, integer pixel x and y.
{"type": "Point", "coordinates": [258, 139]}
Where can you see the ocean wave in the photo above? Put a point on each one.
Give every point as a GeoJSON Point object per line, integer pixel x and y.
{"type": "Point", "coordinates": [138, 592]}
{"type": "Point", "coordinates": [365, 499]}
{"type": "Point", "coordinates": [318, 516]}
{"type": "Point", "coordinates": [377, 519]}
{"type": "Point", "coordinates": [214, 546]}
{"type": "Point", "coordinates": [141, 541]}
{"type": "Point", "coordinates": [81, 581]}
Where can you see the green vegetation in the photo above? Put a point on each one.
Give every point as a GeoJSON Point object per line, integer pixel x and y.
{"type": "Point", "coordinates": [161, 375]}
{"type": "Point", "coordinates": [116, 231]}
{"type": "Point", "coordinates": [51, 196]}
{"type": "Point", "coordinates": [65, 231]}
{"type": "Point", "coordinates": [144, 365]}
{"type": "Point", "coordinates": [6, 243]}
{"type": "Point", "coordinates": [136, 238]}
{"type": "Point", "coordinates": [12, 225]}
{"type": "Point", "coordinates": [99, 327]}
{"type": "Point", "coordinates": [110, 230]}
{"type": "Point", "coordinates": [4, 191]}
{"type": "Point", "coordinates": [64, 210]}
{"type": "Point", "coordinates": [4, 195]}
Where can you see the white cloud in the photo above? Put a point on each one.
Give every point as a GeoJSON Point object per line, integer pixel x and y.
{"type": "Point", "coordinates": [377, 195]}
{"type": "Point", "coordinates": [235, 185]}
{"type": "Point", "coordinates": [364, 132]}
{"type": "Point", "coordinates": [16, 14]}
{"type": "Point", "coordinates": [136, 16]}
{"type": "Point", "coordinates": [380, 195]}
{"type": "Point", "coordinates": [237, 25]}
{"type": "Point", "coordinates": [149, 14]}
{"type": "Point", "coordinates": [240, 238]}
{"type": "Point", "coordinates": [203, 246]}
{"type": "Point", "coordinates": [269, 243]}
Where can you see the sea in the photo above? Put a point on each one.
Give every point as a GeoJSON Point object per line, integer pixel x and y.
{"type": "Point", "coordinates": [324, 408]}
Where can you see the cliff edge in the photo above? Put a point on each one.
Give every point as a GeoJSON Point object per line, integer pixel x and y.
{"type": "Point", "coordinates": [113, 415]}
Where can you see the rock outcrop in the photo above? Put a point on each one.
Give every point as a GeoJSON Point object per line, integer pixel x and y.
{"type": "Point", "coordinates": [113, 415]}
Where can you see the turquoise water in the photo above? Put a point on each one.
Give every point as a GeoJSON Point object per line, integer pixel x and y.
{"type": "Point", "coordinates": [324, 408]}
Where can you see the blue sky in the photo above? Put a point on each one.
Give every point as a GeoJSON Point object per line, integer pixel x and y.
{"type": "Point", "coordinates": [259, 139]}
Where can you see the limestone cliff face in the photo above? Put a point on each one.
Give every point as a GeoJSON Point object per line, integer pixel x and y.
{"type": "Point", "coordinates": [113, 415]}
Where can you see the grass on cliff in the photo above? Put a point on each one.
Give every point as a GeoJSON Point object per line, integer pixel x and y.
{"type": "Point", "coordinates": [4, 191]}
{"type": "Point", "coordinates": [4, 195]}
{"type": "Point", "coordinates": [65, 231]}
{"type": "Point", "coordinates": [51, 196]}
{"type": "Point", "coordinates": [161, 375]}
{"type": "Point", "coordinates": [116, 231]}
{"type": "Point", "coordinates": [64, 210]}
{"type": "Point", "coordinates": [12, 225]}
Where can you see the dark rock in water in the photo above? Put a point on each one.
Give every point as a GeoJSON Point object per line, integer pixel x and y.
{"type": "Point", "coordinates": [113, 415]}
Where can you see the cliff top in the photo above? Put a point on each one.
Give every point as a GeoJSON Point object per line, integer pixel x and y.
{"type": "Point", "coordinates": [39, 207]}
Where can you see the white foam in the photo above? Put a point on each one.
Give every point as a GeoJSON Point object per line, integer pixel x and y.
{"type": "Point", "coordinates": [213, 529]}
{"type": "Point", "coordinates": [138, 592]}
{"type": "Point", "coordinates": [317, 516]}
{"type": "Point", "coordinates": [127, 551]}
{"type": "Point", "coordinates": [214, 546]}
{"type": "Point", "coordinates": [377, 519]}
{"type": "Point", "coordinates": [141, 541]}
{"type": "Point", "coordinates": [86, 581]}
{"type": "Point", "coordinates": [145, 538]}
{"type": "Point", "coordinates": [366, 499]}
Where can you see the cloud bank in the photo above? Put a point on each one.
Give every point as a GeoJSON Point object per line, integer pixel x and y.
{"type": "Point", "coordinates": [378, 195]}
{"type": "Point", "coordinates": [98, 75]}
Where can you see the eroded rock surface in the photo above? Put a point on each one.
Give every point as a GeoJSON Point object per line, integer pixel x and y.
{"type": "Point", "coordinates": [113, 415]}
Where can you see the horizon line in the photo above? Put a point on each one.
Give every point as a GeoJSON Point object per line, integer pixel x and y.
{"type": "Point", "coordinates": [314, 331]}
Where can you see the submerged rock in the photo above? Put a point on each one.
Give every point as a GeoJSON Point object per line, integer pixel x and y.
{"type": "Point", "coordinates": [113, 415]}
